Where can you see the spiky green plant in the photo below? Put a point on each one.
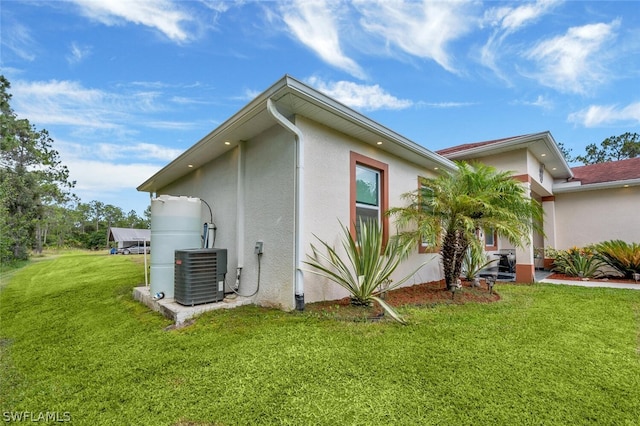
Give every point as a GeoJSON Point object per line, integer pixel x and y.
{"type": "Point", "coordinates": [475, 260]}
{"type": "Point", "coordinates": [578, 262]}
{"type": "Point", "coordinates": [622, 256]}
{"type": "Point", "coordinates": [365, 271]}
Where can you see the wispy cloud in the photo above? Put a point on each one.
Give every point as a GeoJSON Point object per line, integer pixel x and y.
{"type": "Point", "coordinates": [444, 105]}
{"type": "Point", "coordinates": [77, 53]}
{"type": "Point", "coordinates": [17, 38]}
{"type": "Point", "coordinates": [162, 15]}
{"type": "Point", "coordinates": [423, 29]}
{"type": "Point", "coordinates": [136, 152]}
{"type": "Point", "coordinates": [602, 115]}
{"type": "Point", "coordinates": [69, 103]}
{"type": "Point", "coordinates": [540, 102]}
{"type": "Point", "coordinates": [359, 96]}
{"type": "Point", "coordinates": [506, 20]}
{"type": "Point", "coordinates": [66, 103]}
{"type": "Point", "coordinates": [315, 24]}
{"type": "Point", "coordinates": [576, 61]}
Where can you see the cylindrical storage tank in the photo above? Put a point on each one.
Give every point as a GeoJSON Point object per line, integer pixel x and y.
{"type": "Point", "coordinates": [175, 225]}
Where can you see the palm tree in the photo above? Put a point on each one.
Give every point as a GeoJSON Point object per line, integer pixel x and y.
{"type": "Point", "coordinates": [451, 208]}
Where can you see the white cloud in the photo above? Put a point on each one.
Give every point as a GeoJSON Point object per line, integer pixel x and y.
{"type": "Point", "coordinates": [540, 102]}
{"type": "Point", "coordinates": [598, 115]}
{"type": "Point", "coordinates": [314, 23]}
{"type": "Point", "coordinates": [99, 177]}
{"type": "Point", "coordinates": [162, 15]}
{"type": "Point", "coordinates": [66, 103]}
{"type": "Point", "coordinates": [443, 105]}
{"type": "Point", "coordinates": [77, 53]}
{"type": "Point", "coordinates": [423, 29]}
{"type": "Point", "coordinates": [17, 38]}
{"type": "Point", "coordinates": [506, 21]}
{"type": "Point", "coordinates": [511, 19]}
{"type": "Point", "coordinates": [69, 103]}
{"type": "Point", "coordinates": [575, 61]}
{"type": "Point", "coordinates": [358, 96]}
{"type": "Point", "coordinates": [134, 152]}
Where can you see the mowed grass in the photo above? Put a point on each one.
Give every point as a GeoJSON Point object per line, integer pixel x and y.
{"type": "Point", "coordinates": [73, 341]}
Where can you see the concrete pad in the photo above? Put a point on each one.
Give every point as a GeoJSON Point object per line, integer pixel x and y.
{"type": "Point", "coordinates": [608, 284]}
{"type": "Point", "coordinates": [179, 313]}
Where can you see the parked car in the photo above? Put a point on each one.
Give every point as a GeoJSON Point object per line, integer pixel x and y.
{"type": "Point", "coordinates": [133, 250]}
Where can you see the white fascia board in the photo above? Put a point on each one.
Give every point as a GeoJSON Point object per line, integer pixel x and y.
{"type": "Point", "coordinates": [572, 187]}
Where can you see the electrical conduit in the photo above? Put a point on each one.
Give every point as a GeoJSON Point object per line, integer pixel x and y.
{"type": "Point", "coordinates": [299, 278]}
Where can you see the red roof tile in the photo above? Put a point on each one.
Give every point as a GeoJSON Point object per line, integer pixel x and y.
{"type": "Point", "coordinates": [608, 172]}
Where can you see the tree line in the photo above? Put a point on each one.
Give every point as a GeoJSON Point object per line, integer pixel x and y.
{"type": "Point", "coordinates": [37, 206]}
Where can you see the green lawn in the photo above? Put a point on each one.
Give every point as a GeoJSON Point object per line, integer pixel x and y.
{"type": "Point", "coordinates": [73, 341]}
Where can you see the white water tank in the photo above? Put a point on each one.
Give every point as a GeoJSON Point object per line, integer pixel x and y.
{"type": "Point", "coordinates": [175, 225]}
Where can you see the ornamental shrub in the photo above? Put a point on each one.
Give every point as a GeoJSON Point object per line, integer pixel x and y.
{"type": "Point", "coordinates": [578, 262]}
{"type": "Point", "coordinates": [623, 257]}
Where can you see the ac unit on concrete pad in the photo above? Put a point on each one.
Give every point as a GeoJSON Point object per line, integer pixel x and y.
{"type": "Point", "coordinates": [199, 275]}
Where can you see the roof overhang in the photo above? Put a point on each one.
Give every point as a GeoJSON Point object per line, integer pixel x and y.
{"type": "Point", "coordinates": [542, 145]}
{"type": "Point", "coordinates": [292, 98]}
{"type": "Point", "coordinates": [565, 187]}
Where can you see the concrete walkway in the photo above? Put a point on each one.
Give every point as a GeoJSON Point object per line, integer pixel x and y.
{"type": "Point", "coordinates": [605, 284]}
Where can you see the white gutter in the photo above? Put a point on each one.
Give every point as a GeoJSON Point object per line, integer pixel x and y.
{"type": "Point", "coordinates": [577, 186]}
{"type": "Point", "coordinates": [299, 278]}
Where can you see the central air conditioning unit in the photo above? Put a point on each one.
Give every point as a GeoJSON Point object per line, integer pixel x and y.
{"type": "Point", "coordinates": [199, 275]}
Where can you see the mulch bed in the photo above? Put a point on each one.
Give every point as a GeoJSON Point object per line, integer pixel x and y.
{"type": "Point", "coordinates": [426, 294]}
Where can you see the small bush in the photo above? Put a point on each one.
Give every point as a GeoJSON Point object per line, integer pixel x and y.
{"type": "Point", "coordinates": [578, 262]}
{"type": "Point", "coordinates": [623, 257]}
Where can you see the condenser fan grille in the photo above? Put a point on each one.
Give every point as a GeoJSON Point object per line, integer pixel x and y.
{"type": "Point", "coordinates": [199, 276]}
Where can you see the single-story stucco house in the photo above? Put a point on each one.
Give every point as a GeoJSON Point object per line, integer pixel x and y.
{"type": "Point", "coordinates": [285, 168]}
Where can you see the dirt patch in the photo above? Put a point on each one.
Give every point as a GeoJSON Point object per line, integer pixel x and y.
{"type": "Point", "coordinates": [426, 294]}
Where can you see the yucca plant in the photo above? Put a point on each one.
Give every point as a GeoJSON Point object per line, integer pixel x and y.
{"type": "Point", "coordinates": [578, 262]}
{"type": "Point", "coordinates": [475, 260]}
{"type": "Point", "coordinates": [623, 257]}
{"type": "Point", "coordinates": [365, 272]}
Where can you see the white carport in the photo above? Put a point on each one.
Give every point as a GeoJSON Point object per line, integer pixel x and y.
{"type": "Point", "coordinates": [126, 237]}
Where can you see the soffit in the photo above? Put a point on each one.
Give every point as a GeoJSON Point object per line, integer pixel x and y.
{"type": "Point", "coordinates": [291, 98]}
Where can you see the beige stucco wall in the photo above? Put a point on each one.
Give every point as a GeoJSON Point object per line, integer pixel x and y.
{"type": "Point", "coordinates": [587, 217]}
{"type": "Point", "coordinates": [269, 207]}
{"type": "Point", "coordinates": [515, 161]}
{"type": "Point", "coordinates": [269, 172]}
{"type": "Point", "coordinates": [327, 200]}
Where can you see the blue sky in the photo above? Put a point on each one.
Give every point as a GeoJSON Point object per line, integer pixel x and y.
{"type": "Point", "coordinates": [124, 87]}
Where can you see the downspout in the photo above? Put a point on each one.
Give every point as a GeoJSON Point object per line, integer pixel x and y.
{"type": "Point", "coordinates": [299, 278]}
{"type": "Point", "coordinates": [240, 212]}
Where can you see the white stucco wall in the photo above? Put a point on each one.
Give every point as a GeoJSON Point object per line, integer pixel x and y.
{"type": "Point", "coordinates": [587, 217]}
{"type": "Point", "coordinates": [270, 217]}
{"type": "Point", "coordinates": [269, 168]}
{"type": "Point", "coordinates": [327, 200]}
{"type": "Point", "coordinates": [269, 207]}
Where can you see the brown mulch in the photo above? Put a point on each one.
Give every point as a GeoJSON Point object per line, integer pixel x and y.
{"type": "Point", "coordinates": [556, 276]}
{"type": "Point", "coordinates": [426, 294]}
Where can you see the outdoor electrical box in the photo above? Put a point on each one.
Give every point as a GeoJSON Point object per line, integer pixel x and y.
{"type": "Point", "coordinates": [258, 247]}
{"type": "Point", "coordinates": [199, 275]}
